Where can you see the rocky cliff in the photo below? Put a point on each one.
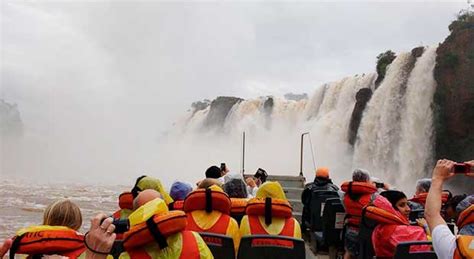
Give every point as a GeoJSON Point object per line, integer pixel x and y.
{"type": "Point", "coordinates": [10, 120]}
{"type": "Point", "coordinates": [454, 97]}
{"type": "Point", "coordinates": [220, 107]}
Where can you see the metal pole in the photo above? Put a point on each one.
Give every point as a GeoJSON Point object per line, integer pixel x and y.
{"type": "Point", "coordinates": [243, 153]}
{"type": "Point", "coordinates": [301, 153]}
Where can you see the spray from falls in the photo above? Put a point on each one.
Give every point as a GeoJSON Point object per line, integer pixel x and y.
{"type": "Point", "coordinates": [393, 141]}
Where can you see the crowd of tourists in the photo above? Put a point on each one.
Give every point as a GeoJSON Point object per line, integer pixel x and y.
{"type": "Point", "coordinates": [185, 221]}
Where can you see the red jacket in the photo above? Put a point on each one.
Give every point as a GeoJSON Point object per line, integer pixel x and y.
{"type": "Point", "coordinates": [386, 237]}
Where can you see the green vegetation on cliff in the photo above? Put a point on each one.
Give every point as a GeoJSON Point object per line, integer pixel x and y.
{"type": "Point", "coordinates": [454, 96]}
{"type": "Point", "coordinates": [383, 60]}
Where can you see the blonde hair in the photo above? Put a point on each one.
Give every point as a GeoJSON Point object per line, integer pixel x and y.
{"type": "Point", "coordinates": [63, 213]}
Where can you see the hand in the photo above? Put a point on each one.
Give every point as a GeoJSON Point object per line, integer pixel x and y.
{"type": "Point", "coordinates": [471, 163]}
{"type": "Point", "coordinates": [443, 170]}
{"type": "Point", "coordinates": [100, 237]}
{"type": "Point", "coordinates": [421, 222]}
{"type": "Point", "coordinates": [250, 182]}
{"type": "Point", "coordinates": [5, 247]}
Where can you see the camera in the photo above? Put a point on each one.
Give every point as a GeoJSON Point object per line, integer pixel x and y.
{"type": "Point", "coordinates": [379, 185]}
{"type": "Point", "coordinates": [121, 225]}
{"type": "Point", "coordinates": [462, 168]}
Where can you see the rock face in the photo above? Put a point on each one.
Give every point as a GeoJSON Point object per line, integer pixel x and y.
{"type": "Point", "coordinates": [383, 61]}
{"type": "Point", "coordinates": [417, 52]}
{"type": "Point", "coordinates": [296, 97]}
{"type": "Point", "coordinates": [268, 109]}
{"type": "Point", "coordinates": [220, 107]}
{"type": "Point", "coordinates": [10, 120]}
{"type": "Point", "coordinates": [268, 106]}
{"type": "Point", "coordinates": [362, 98]}
{"type": "Point", "coordinates": [454, 96]}
{"type": "Point", "coordinates": [200, 105]}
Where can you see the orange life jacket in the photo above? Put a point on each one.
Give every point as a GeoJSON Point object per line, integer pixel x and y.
{"type": "Point", "coordinates": [466, 217]}
{"type": "Point", "coordinates": [238, 206]}
{"type": "Point", "coordinates": [384, 217]}
{"type": "Point", "coordinates": [176, 205]}
{"type": "Point", "coordinates": [52, 240]}
{"type": "Point", "coordinates": [421, 198]}
{"type": "Point", "coordinates": [465, 244]}
{"type": "Point", "coordinates": [464, 247]}
{"type": "Point", "coordinates": [208, 200]}
{"type": "Point", "coordinates": [126, 200]}
{"type": "Point", "coordinates": [157, 228]}
{"type": "Point", "coordinates": [220, 227]}
{"type": "Point", "coordinates": [358, 195]}
{"type": "Point", "coordinates": [189, 248]}
{"type": "Point", "coordinates": [269, 208]}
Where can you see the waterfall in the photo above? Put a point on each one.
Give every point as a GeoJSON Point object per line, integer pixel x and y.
{"type": "Point", "coordinates": [416, 147]}
{"type": "Point", "coordinates": [394, 140]}
{"type": "Point", "coordinates": [379, 131]}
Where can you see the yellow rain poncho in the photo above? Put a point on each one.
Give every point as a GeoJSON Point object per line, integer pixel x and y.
{"type": "Point", "coordinates": [175, 242]}
{"type": "Point", "coordinates": [149, 182]}
{"type": "Point", "coordinates": [275, 191]}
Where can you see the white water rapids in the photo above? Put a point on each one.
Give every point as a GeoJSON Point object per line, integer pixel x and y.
{"type": "Point", "coordinates": [394, 141]}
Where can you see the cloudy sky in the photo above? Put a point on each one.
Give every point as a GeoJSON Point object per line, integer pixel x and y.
{"type": "Point", "coordinates": [102, 71]}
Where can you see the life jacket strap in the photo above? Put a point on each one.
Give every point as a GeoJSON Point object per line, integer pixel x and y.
{"type": "Point", "coordinates": [268, 211]}
{"type": "Point", "coordinates": [15, 246]}
{"type": "Point", "coordinates": [155, 232]}
{"type": "Point", "coordinates": [208, 200]}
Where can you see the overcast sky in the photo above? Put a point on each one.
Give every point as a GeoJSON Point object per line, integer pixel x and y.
{"type": "Point", "coordinates": [135, 67]}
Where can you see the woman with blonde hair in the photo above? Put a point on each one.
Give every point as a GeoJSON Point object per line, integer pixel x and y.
{"type": "Point", "coordinates": [63, 213]}
{"type": "Point", "coordinates": [56, 236]}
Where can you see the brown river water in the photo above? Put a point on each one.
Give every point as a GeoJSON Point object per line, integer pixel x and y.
{"type": "Point", "coordinates": [22, 205]}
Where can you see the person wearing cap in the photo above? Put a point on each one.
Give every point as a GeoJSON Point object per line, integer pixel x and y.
{"type": "Point", "coordinates": [253, 183]}
{"type": "Point", "coordinates": [179, 190]}
{"type": "Point", "coordinates": [321, 182]}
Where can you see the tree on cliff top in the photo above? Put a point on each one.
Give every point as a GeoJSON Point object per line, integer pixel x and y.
{"type": "Point", "coordinates": [383, 60]}
{"type": "Point", "coordinates": [465, 20]}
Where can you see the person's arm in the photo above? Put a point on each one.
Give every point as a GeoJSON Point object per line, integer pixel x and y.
{"type": "Point", "coordinates": [5, 247]}
{"type": "Point", "coordinates": [100, 238]}
{"type": "Point", "coordinates": [442, 172]}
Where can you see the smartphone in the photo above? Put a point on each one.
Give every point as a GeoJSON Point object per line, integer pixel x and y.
{"type": "Point", "coordinates": [379, 185]}
{"type": "Point", "coordinates": [462, 168]}
{"type": "Point", "coordinates": [222, 166]}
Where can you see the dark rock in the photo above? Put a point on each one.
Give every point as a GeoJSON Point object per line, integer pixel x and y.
{"type": "Point", "coordinates": [220, 107]}
{"type": "Point", "coordinates": [200, 105]}
{"type": "Point", "coordinates": [268, 106]}
{"type": "Point", "coordinates": [296, 97]}
{"type": "Point", "coordinates": [268, 109]}
{"type": "Point", "coordinates": [362, 98]}
{"type": "Point", "coordinates": [417, 52]}
{"type": "Point", "coordinates": [10, 120]}
{"type": "Point", "coordinates": [383, 61]}
{"type": "Point", "coordinates": [454, 96]}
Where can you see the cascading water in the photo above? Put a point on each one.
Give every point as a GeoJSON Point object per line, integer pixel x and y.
{"type": "Point", "coordinates": [394, 140]}
{"type": "Point", "coordinates": [416, 147]}
{"type": "Point", "coordinates": [379, 132]}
